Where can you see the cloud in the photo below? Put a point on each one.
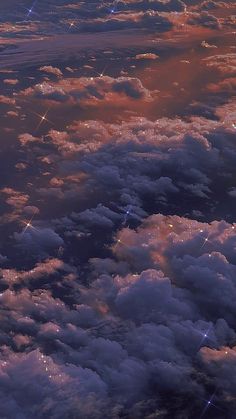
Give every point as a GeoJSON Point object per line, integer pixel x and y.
{"type": "Point", "coordinates": [220, 363]}
{"type": "Point", "coordinates": [129, 334]}
{"type": "Point", "coordinates": [117, 279]}
{"type": "Point", "coordinates": [199, 256]}
{"type": "Point", "coordinates": [38, 240]}
{"type": "Point", "coordinates": [51, 70]}
{"type": "Point", "coordinates": [11, 81]}
{"type": "Point", "coordinates": [90, 91]}
{"type": "Point", "coordinates": [224, 64]}
{"type": "Point", "coordinates": [15, 198]}
{"type": "Point", "coordinates": [204, 19]}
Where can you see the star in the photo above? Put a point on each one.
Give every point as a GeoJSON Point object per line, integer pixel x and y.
{"type": "Point", "coordinates": [28, 224]}
{"type": "Point", "coordinates": [208, 404]}
{"type": "Point", "coordinates": [30, 11]}
{"type": "Point", "coordinates": [205, 241]}
{"type": "Point", "coordinates": [72, 25]}
{"type": "Point", "coordinates": [102, 73]}
{"type": "Point", "coordinates": [43, 118]}
{"type": "Point", "coordinates": [205, 335]}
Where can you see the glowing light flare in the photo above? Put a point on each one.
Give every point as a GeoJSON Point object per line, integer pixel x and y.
{"type": "Point", "coordinates": [206, 240]}
{"type": "Point", "coordinates": [205, 335]}
{"type": "Point", "coordinates": [72, 25]}
{"type": "Point", "coordinates": [30, 11]}
{"type": "Point", "coordinates": [102, 74]}
{"type": "Point", "coordinates": [28, 224]}
{"type": "Point", "coordinates": [119, 242]}
{"type": "Point", "coordinates": [208, 404]}
{"type": "Point", "coordinates": [126, 215]}
{"type": "Point", "coordinates": [43, 118]}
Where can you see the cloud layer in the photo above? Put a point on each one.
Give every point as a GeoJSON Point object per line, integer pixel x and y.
{"type": "Point", "coordinates": [118, 234]}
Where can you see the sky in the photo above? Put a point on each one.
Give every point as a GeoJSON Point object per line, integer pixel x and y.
{"type": "Point", "coordinates": [117, 209]}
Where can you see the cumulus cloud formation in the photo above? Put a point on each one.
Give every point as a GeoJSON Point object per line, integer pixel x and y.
{"type": "Point", "coordinates": [158, 328]}
{"type": "Point", "coordinates": [51, 70]}
{"type": "Point", "coordinates": [118, 234]}
{"type": "Point", "coordinates": [89, 91]}
{"type": "Point", "coordinates": [38, 240]}
{"type": "Point", "coordinates": [156, 310]}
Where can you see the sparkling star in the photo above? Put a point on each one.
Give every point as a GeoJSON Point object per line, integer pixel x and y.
{"type": "Point", "coordinates": [43, 118]}
{"type": "Point", "coordinates": [208, 404]}
{"type": "Point", "coordinates": [28, 224]}
{"type": "Point", "coordinates": [205, 241]}
{"type": "Point", "coordinates": [72, 25]}
{"type": "Point", "coordinates": [30, 11]}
